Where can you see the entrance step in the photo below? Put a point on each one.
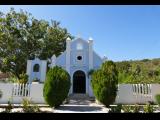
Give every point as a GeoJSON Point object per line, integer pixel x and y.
{"type": "Point", "coordinates": [80, 97]}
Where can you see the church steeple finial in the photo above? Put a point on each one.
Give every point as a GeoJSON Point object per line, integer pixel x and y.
{"type": "Point", "coordinates": [90, 38]}
{"type": "Point", "coordinates": [105, 58]}
{"type": "Point", "coordinates": [68, 39]}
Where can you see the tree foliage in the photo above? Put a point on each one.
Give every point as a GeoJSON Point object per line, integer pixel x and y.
{"type": "Point", "coordinates": [23, 37]}
{"type": "Point", "coordinates": [140, 71]}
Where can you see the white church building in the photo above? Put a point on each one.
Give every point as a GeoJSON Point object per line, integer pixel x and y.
{"type": "Point", "coordinates": [78, 59]}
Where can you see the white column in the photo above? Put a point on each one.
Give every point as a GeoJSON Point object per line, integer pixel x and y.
{"type": "Point", "coordinates": [88, 85]}
{"type": "Point", "coordinates": [71, 88]}
{"type": "Point", "coordinates": [90, 54]}
{"type": "Point", "coordinates": [68, 50]}
{"type": "Point", "coordinates": [29, 69]}
{"type": "Point", "coordinates": [43, 69]}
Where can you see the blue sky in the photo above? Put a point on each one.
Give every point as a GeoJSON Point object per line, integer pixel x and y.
{"type": "Point", "coordinates": [121, 32]}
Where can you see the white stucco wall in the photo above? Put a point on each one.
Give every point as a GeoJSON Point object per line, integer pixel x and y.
{"type": "Point", "coordinates": [125, 94]}
{"type": "Point", "coordinates": [43, 70]}
{"type": "Point", "coordinates": [41, 74]}
{"type": "Point", "coordinates": [6, 89]}
{"type": "Point", "coordinates": [155, 90]}
{"type": "Point", "coordinates": [36, 93]}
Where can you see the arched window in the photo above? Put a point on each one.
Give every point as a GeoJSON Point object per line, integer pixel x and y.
{"type": "Point", "coordinates": [79, 46]}
{"type": "Point", "coordinates": [36, 68]}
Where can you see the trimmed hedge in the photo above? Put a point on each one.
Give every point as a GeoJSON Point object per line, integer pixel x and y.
{"type": "Point", "coordinates": [105, 83]}
{"type": "Point", "coordinates": [56, 86]}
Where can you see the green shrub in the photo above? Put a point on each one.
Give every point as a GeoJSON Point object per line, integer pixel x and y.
{"type": "Point", "coordinates": [105, 83]}
{"type": "Point", "coordinates": [9, 107]}
{"type": "Point", "coordinates": [116, 109]}
{"type": "Point", "coordinates": [13, 79]}
{"type": "Point", "coordinates": [27, 108]}
{"type": "Point", "coordinates": [56, 86]}
{"type": "Point", "coordinates": [125, 77]}
{"type": "Point", "coordinates": [148, 108]}
{"type": "Point", "coordinates": [23, 78]}
{"type": "Point", "coordinates": [136, 108]}
{"type": "Point", "coordinates": [127, 108]}
{"type": "Point", "coordinates": [157, 97]}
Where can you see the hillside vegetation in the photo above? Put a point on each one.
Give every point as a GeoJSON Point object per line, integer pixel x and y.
{"type": "Point", "coordinates": [139, 71]}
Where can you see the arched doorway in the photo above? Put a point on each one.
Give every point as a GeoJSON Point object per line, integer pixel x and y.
{"type": "Point", "coordinates": [79, 82]}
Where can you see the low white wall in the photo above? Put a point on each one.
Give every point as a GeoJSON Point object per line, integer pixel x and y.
{"type": "Point", "coordinates": [18, 100]}
{"type": "Point", "coordinates": [125, 94]}
{"type": "Point", "coordinates": [155, 90]}
{"type": "Point", "coordinates": [36, 93]}
{"type": "Point", "coordinates": [6, 89]}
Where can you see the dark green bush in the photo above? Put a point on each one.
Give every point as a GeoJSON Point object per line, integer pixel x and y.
{"type": "Point", "coordinates": [157, 97]}
{"type": "Point", "coordinates": [56, 86]}
{"type": "Point", "coordinates": [105, 83]}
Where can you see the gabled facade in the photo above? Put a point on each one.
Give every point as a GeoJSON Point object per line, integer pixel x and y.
{"type": "Point", "coordinates": [78, 59]}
